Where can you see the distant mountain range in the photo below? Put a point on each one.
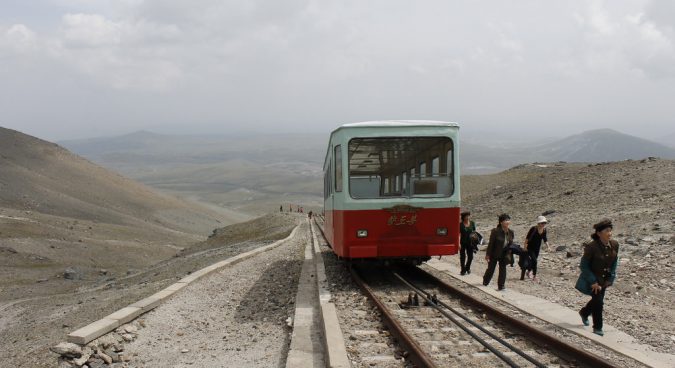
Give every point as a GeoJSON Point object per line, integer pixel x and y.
{"type": "Point", "coordinates": [133, 153]}
{"type": "Point", "coordinates": [600, 145]}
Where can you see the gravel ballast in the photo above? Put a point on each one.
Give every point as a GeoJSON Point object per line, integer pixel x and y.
{"type": "Point", "coordinates": [235, 317]}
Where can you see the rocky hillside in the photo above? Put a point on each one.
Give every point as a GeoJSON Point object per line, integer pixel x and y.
{"type": "Point", "coordinates": [43, 177]}
{"type": "Point", "coordinates": [638, 195]}
{"type": "Point", "coordinates": [59, 211]}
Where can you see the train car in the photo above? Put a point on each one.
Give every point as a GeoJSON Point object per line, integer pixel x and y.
{"type": "Point", "coordinates": [391, 190]}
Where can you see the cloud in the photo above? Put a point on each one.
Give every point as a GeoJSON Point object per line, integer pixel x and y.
{"type": "Point", "coordinates": [260, 63]}
{"type": "Point", "coordinates": [17, 38]}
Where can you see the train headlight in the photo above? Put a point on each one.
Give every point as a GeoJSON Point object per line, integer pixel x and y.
{"type": "Point", "coordinates": [361, 233]}
{"type": "Point", "coordinates": [442, 231]}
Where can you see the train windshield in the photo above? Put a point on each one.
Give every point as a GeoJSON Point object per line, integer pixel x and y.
{"type": "Point", "coordinates": [386, 167]}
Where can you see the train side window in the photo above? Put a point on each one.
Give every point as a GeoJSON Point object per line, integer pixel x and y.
{"type": "Point", "coordinates": [449, 163]}
{"type": "Point", "coordinates": [435, 166]}
{"type": "Point", "coordinates": [338, 168]}
{"type": "Point", "coordinates": [423, 169]}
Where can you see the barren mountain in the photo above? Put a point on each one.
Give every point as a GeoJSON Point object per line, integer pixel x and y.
{"type": "Point", "coordinates": [601, 145]}
{"type": "Point", "coordinates": [59, 210]}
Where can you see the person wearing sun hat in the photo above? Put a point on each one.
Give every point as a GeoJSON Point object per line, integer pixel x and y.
{"type": "Point", "coordinates": [535, 236]}
{"type": "Point", "coordinates": [598, 272]}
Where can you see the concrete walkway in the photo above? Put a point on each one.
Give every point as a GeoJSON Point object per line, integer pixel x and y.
{"type": "Point", "coordinates": [306, 348]}
{"type": "Point", "coordinates": [564, 317]}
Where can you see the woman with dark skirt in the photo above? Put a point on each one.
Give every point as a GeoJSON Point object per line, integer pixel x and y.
{"type": "Point", "coordinates": [501, 238]}
{"type": "Point", "coordinates": [533, 240]}
{"type": "Point", "coordinates": [466, 227]}
{"type": "Point", "coordinates": [598, 271]}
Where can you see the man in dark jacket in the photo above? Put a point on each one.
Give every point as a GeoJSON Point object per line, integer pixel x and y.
{"type": "Point", "coordinates": [501, 237]}
{"type": "Point", "coordinates": [598, 271]}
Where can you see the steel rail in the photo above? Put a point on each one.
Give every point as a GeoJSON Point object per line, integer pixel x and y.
{"type": "Point", "coordinates": [488, 346]}
{"type": "Point", "coordinates": [538, 336]}
{"type": "Point", "coordinates": [416, 355]}
{"type": "Point", "coordinates": [435, 303]}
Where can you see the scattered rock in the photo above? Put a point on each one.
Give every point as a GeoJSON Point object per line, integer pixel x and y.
{"type": "Point", "coordinates": [105, 357]}
{"type": "Point", "coordinates": [573, 253]}
{"type": "Point", "coordinates": [72, 273]}
{"type": "Point", "coordinates": [561, 248]}
{"type": "Point", "coordinates": [82, 360]}
{"type": "Point", "coordinates": [67, 349]}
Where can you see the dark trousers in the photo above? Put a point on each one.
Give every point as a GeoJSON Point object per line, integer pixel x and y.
{"type": "Point", "coordinates": [501, 279]}
{"type": "Point", "coordinates": [465, 255]}
{"type": "Point", "coordinates": [534, 254]}
{"type": "Point", "coordinates": [594, 308]}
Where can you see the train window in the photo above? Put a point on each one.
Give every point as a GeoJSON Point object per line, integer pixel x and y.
{"type": "Point", "coordinates": [338, 168]}
{"type": "Point", "coordinates": [449, 163]}
{"type": "Point", "coordinates": [382, 167]}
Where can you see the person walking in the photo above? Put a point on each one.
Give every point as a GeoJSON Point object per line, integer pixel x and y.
{"type": "Point", "coordinates": [501, 237]}
{"type": "Point", "coordinates": [598, 272]}
{"type": "Point", "coordinates": [466, 227]}
{"type": "Point", "coordinates": [532, 245]}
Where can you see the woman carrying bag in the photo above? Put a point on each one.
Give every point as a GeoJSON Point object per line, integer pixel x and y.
{"type": "Point", "coordinates": [598, 272]}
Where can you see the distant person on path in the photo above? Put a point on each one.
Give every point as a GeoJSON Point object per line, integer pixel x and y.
{"type": "Point", "coordinates": [466, 227]}
{"type": "Point", "coordinates": [598, 271]}
{"type": "Point", "coordinates": [290, 208]}
{"type": "Point", "coordinates": [532, 245]}
{"type": "Point", "coordinates": [309, 214]}
{"type": "Point", "coordinates": [501, 237]}
{"type": "Point", "coordinates": [281, 208]}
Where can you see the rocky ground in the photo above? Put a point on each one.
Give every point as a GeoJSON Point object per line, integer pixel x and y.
{"type": "Point", "coordinates": [639, 196]}
{"type": "Point", "coordinates": [39, 318]}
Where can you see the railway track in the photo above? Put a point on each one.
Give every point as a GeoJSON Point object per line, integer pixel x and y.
{"type": "Point", "coordinates": [438, 325]}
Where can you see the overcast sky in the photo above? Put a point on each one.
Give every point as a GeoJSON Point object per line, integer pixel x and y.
{"type": "Point", "coordinates": [83, 68]}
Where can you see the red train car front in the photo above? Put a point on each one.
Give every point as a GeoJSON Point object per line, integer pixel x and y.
{"type": "Point", "coordinates": [391, 190]}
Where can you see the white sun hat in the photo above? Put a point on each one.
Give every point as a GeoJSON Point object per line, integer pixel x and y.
{"type": "Point", "coordinates": [541, 219]}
